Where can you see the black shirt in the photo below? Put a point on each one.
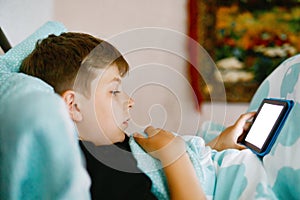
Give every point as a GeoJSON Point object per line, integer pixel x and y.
{"type": "Point", "coordinates": [114, 173]}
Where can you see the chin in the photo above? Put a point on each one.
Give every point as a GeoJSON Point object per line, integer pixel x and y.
{"type": "Point", "coordinates": [123, 137]}
{"type": "Point", "coordinates": [120, 138]}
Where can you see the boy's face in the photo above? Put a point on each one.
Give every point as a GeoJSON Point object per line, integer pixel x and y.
{"type": "Point", "coordinates": [112, 105]}
{"type": "Point", "coordinates": [106, 114]}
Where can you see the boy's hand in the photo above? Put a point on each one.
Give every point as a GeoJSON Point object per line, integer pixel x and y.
{"type": "Point", "coordinates": [162, 145]}
{"type": "Point", "coordinates": [170, 150]}
{"type": "Point", "coordinates": [228, 138]}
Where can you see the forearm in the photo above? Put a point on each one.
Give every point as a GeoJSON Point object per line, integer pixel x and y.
{"type": "Point", "coordinates": [182, 180]}
{"type": "Point", "coordinates": [171, 151]}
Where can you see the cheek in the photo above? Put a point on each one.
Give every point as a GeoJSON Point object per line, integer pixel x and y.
{"type": "Point", "coordinates": [117, 108]}
{"type": "Point", "coordinates": [103, 109]}
{"type": "Point", "coordinates": [107, 111]}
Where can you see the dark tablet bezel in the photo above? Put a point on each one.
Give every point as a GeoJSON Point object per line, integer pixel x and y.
{"type": "Point", "coordinates": [275, 129]}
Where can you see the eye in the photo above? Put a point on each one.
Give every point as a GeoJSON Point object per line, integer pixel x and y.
{"type": "Point", "coordinates": [115, 92]}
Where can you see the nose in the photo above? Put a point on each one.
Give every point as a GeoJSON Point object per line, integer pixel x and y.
{"type": "Point", "coordinates": [130, 102]}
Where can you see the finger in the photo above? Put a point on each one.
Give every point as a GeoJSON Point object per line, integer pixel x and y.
{"type": "Point", "coordinates": [240, 147]}
{"type": "Point", "coordinates": [138, 135]}
{"type": "Point", "coordinates": [247, 126]}
{"type": "Point", "coordinates": [140, 139]}
{"type": "Point", "coordinates": [250, 115]}
{"type": "Point", "coordinates": [244, 118]}
{"type": "Point", "coordinates": [151, 131]}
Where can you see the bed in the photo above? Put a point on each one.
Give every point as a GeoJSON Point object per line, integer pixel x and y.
{"type": "Point", "coordinates": [233, 174]}
{"type": "Point", "coordinates": [229, 174]}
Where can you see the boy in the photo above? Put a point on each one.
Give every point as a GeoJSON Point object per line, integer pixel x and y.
{"type": "Point", "coordinates": [87, 73]}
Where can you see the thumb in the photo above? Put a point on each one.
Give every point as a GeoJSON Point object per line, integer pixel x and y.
{"type": "Point", "coordinates": [244, 118]}
{"type": "Point", "coordinates": [139, 138]}
{"type": "Point", "coordinates": [240, 147]}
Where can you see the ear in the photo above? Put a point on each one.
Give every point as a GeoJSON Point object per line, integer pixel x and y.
{"type": "Point", "coordinates": [74, 110]}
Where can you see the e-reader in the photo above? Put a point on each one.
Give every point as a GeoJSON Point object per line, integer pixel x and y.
{"type": "Point", "coordinates": [266, 125]}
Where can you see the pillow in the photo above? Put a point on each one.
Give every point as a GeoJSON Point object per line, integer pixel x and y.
{"type": "Point", "coordinates": [11, 61]}
{"type": "Point", "coordinates": [39, 155]}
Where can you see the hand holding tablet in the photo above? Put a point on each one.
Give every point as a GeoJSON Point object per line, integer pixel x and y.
{"type": "Point", "coordinates": [266, 125]}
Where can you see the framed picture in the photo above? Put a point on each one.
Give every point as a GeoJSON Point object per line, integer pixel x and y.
{"type": "Point", "coordinates": [247, 40]}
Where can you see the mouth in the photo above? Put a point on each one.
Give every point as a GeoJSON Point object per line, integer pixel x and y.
{"type": "Point", "coordinates": [126, 121]}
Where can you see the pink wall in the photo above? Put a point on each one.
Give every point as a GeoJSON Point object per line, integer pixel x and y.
{"type": "Point", "coordinates": [111, 18]}
{"type": "Point", "coordinates": [108, 18]}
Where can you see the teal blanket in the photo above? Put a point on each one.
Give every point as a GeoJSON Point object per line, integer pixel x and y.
{"type": "Point", "coordinates": [223, 175]}
{"type": "Point", "coordinates": [233, 174]}
{"type": "Point", "coordinates": [39, 155]}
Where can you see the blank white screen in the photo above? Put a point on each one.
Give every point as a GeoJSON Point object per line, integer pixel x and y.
{"type": "Point", "coordinates": [263, 124]}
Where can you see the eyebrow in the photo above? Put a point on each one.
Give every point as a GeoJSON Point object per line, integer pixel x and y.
{"type": "Point", "coordinates": [116, 79]}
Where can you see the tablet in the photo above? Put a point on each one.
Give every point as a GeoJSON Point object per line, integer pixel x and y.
{"type": "Point", "coordinates": [266, 125]}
